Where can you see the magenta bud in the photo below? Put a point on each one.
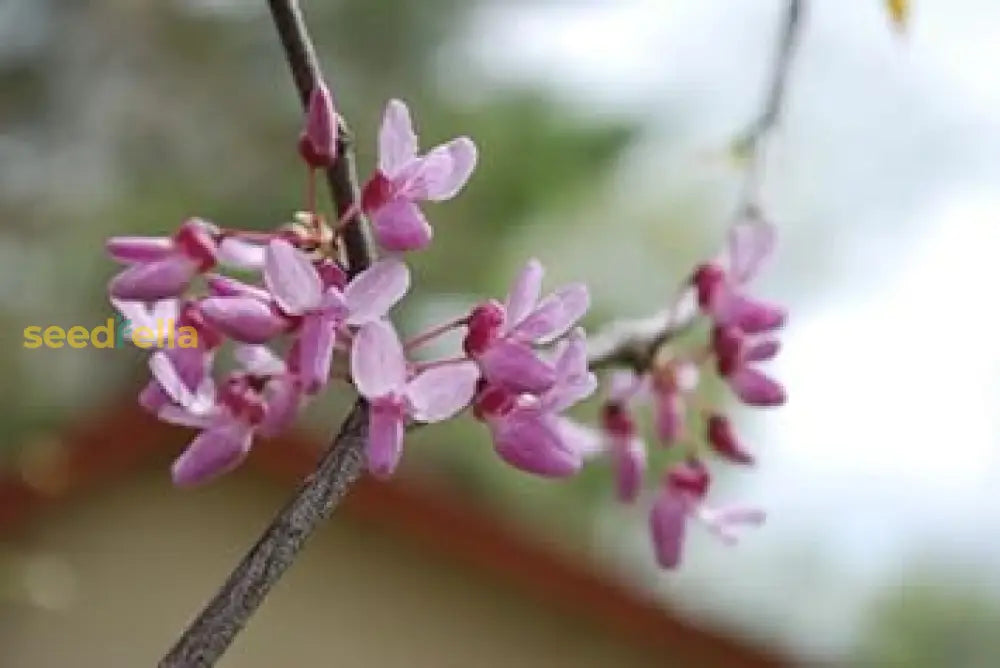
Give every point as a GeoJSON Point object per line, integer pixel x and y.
{"type": "Point", "coordinates": [755, 388]}
{"type": "Point", "coordinates": [707, 279]}
{"type": "Point", "coordinates": [485, 323]}
{"type": "Point", "coordinates": [724, 442]}
{"type": "Point", "coordinates": [196, 240]}
{"type": "Point", "coordinates": [727, 344]}
{"type": "Point", "coordinates": [616, 420]}
{"type": "Point", "coordinates": [377, 191]}
{"type": "Point", "coordinates": [690, 477]}
{"type": "Point", "coordinates": [332, 274]}
{"type": "Point", "coordinates": [318, 142]}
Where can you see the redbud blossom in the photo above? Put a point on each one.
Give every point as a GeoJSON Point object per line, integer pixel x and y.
{"type": "Point", "coordinates": [500, 338]}
{"type": "Point", "coordinates": [162, 268]}
{"type": "Point", "coordinates": [404, 178]}
{"type": "Point", "coordinates": [379, 369]}
{"type": "Point", "coordinates": [681, 497]}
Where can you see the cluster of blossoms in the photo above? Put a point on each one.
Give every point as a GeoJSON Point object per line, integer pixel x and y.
{"type": "Point", "coordinates": [740, 335]}
{"type": "Point", "coordinates": [522, 364]}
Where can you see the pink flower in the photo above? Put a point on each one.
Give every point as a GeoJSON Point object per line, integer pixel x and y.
{"type": "Point", "coordinates": [528, 432]}
{"type": "Point", "coordinates": [379, 369]}
{"type": "Point", "coordinates": [719, 284]}
{"type": "Point", "coordinates": [227, 418]}
{"type": "Point", "coordinates": [297, 297]}
{"type": "Point", "coordinates": [500, 336]}
{"type": "Point", "coordinates": [282, 389]}
{"type": "Point", "coordinates": [318, 141]}
{"type": "Point", "coordinates": [669, 384]}
{"type": "Point", "coordinates": [404, 178]}
{"type": "Point", "coordinates": [735, 352]}
{"type": "Point", "coordinates": [193, 364]}
{"type": "Point", "coordinates": [626, 448]}
{"type": "Point", "coordinates": [161, 268]}
{"type": "Point", "coordinates": [681, 497]}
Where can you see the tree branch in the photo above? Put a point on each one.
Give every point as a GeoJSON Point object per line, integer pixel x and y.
{"type": "Point", "coordinates": [625, 343]}
{"type": "Point", "coordinates": [212, 631]}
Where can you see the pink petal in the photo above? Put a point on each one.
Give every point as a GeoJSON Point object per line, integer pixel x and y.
{"type": "Point", "coordinates": [244, 319]}
{"type": "Point", "coordinates": [196, 399]}
{"type": "Point", "coordinates": [441, 392]}
{"type": "Point", "coordinates": [174, 414]}
{"type": "Point", "coordinates": [316, 341]}
{"type": "Point", "coordinates": [241, 254]}
{"type": "Point", "coordinates": [215, 451]}
{"type": "Point", "coordinates": [516, 367]}
{"type": "Point", "coordinates": [224, 286]}
{"type": "Point", "coordinates": [291, 278]}
{"type": "Point", "coordinates": [400, 225]}
{"type": "Point", "coordinates": [378, 365]}
{"type": "Point", "coordinates": [443, 172]}
{"type": "Point", "coordinates": [751, 243]}
{"type": "Point", "coordinates": [374, 291]}
{"type": "Point", "coordinates": [397, 143]}
{"type": "Point", "coordinates": [161, 279]}
{"type": "Point", "coordinates": [385, 440]}
{"type": "Point", "coordinates": [555, 314]}
{"type": "Point", "coordinates": [190, 365]}
{"type": "Point", "coordinates": [760, 351]}
{"type": "Point", "coordinates": [574, 381]}
{"type": "Point", "coordinates": [754, 388]}
{"type": "Point", "coordinates": [667, 524]}
{"type": "Point", "coordinates": [282, 396]}
{"type": "Point", "coordinates": [669, 416]}
{"type": "Point", "coordinates": [259, 360]}
{"type": "Point", "coordinates": [629, 456]}
{"type": "Point", "coordinates": [721, 521]}
{"type": "Point", "coordinates": [321, 127]}
{"type": "Point", "coordinates": [139, 249]}
{"type": "Point", "coordinates": [524, 292]}
{"type": "Point", "coordinates": [530, 443]}
{"type": "Point", "coordinates": [584, 440]}
{"type": "Point", "coordinates": [753, 316]}
{"type": "Point", "coordinates": [153, 398]}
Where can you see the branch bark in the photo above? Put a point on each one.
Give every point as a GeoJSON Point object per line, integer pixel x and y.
{"type": "Point", "coordinates": [212, 631]}
{"type": "Point", "coordinates": [625, 343]}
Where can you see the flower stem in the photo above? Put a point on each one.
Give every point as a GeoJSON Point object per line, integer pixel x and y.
{"type": "Point", "coordinates": [434, 332]}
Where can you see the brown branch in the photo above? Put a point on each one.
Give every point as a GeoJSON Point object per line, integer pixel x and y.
{"type": "Point", "coordinates": [212, 631]}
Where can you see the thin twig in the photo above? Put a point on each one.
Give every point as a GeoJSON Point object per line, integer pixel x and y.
{"type": "Point", "coordinates": [633, 343]}
{"type": "Point", "coordinates": [212, 631]}
{"type": "Point", "coordinates": [752, 143]}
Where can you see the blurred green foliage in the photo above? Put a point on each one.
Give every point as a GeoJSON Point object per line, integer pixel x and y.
{"type": "Point", "coordinates": [931, 617]}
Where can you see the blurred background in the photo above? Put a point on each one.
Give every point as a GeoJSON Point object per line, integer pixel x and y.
{"type": "Point", "coordinates": [605, 130]}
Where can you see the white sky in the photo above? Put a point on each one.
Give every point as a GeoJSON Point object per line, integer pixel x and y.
{"type": "Point", "coordinates": [885, 177]}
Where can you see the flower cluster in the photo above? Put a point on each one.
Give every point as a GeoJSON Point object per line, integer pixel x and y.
{"type": "Point", "coordinates": [740, 335]}
{"type": "Point", "coordinates": [303, 321]}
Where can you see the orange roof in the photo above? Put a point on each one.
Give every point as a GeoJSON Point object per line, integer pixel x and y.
{"type": "Point", "coordinates": [96, 453]}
